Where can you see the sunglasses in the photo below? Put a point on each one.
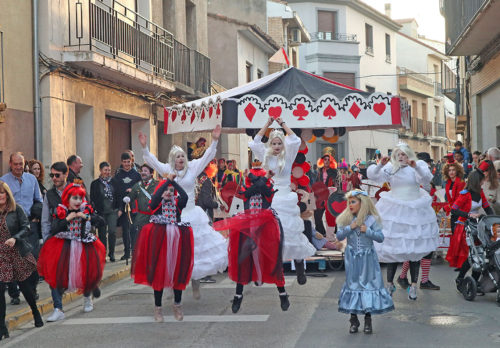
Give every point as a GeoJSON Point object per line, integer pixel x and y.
{"type": "Point", "coordinates": [57, 175]}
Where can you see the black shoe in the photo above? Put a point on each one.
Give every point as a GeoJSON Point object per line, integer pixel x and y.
{"type": "Point", "coordinates": [403, 283]}
{"type": "Point", "coordinates": [236, 303]}
{"type": "Point", "coordinates": [354, 324]}
{"type": "Point", "coordinates": [4, 333]}
{"type": "Point", "coordinates": [285, 304]}
{"type": "Point", "coordinates": [301, 272]}
{"type": "Point", "coordinates": [368, 325]}
{"type": "Point", "coordinates": [125, 257]}
{"type": "Point", "coordinates": [112, 259]}
{"type": "Point", "coordinates": [38, 319]}
{"type": "Point", "coordinates": [15, 301]}
{"type": "Point", "coordinates": [37, 296]}
{"type": "Point", "coordinates": [96, 293]}
{"type": "Point", "coordinates": [428, 285]}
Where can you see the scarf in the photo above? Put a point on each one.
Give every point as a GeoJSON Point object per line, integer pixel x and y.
{"type": "Point", "coordinates": [108, 189]}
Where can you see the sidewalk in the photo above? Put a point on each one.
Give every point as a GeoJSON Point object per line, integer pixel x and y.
{"type": "Point", "coordinates": [21, 314]}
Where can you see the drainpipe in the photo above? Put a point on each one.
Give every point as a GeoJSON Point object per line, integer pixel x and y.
{"type": "Point", "coordinates": [36, 85]}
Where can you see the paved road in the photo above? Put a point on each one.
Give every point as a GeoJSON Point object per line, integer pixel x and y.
{"type": "Point", "coordinates": [123, 318]}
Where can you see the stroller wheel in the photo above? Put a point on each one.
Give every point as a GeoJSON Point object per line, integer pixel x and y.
{"type": "Point", "coordinates": [469, 288]}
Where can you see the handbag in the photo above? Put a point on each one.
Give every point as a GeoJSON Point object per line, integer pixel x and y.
{"type": "Point", "coordinates": [22, 244]}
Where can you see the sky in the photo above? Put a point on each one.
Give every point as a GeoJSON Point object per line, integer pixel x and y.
{"type": "Point", "coordinates": [426, 12]}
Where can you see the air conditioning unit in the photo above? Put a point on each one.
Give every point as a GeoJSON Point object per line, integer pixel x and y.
{"type": "Point", "coordinates": [295, 37]}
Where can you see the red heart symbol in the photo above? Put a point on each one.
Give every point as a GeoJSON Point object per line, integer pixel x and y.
{"type": "Point", "coordinates": [193, 116]}
{"type": "Point", "coordinates": [275, 111]}
{"type": "Point", "coordinates": [174, 115]}
{"type": "Point", "coordinates": [183, 117]}
{"type": "Point", "coordinates": [250, 111]}
{"type": "Point", "coordinates": [379, 108]}
{"type": "Point", "coordinates": [217, 112]}
{"type": "Point", "coordinates": [338, 207]}
{"type": "Point", "coordinates": [202, 114]}
{"type": "Point", "coordinates": [329, 112]}
{"type": "Point", "coordinates": [300, 112]}
{"type": "Point", "coordinates": [210, 111]}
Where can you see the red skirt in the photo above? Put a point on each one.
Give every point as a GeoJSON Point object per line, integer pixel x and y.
{"type": "Point", "coordinates": [255, 247]}
{"type": "Point", "coordinates": [458, 251]}
{"type": "Point", "coordinates": [163, 256]}
{"type": "Point", "coordinates": [72, 265]}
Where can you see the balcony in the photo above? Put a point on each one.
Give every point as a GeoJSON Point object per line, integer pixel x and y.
{"type": "Point", "coordinates": [439, 130]}
{"type": "Point", "coordinates": [470, 25]}
{"type": "Point", "coordinates": [449, 80]}
{"type": "Point", "coordinates": [330, 47]}
{"type": "Point", "coordinates": [416, 83]}
{"type": "Point", "coordinates": [427, 128]}
{"type": "Point", "coordinates": [120, 45]}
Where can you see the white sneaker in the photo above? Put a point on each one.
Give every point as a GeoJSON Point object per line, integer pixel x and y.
{"type": "Point", "coordinates": [412, 293]}
{"type": "Point", "coordinates": [56, 315]}
{"type": "Point", "coordinates": [88, 306]}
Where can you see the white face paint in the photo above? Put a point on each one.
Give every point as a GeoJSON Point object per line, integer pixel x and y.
{"type": "Point", "coordinates": [402, 158]}
{"type": "Point", "coordinates": [277, 146]}
{"type": "Point", "coordinates": [75, 202]}
{"type": "Point", "coordinates": [180, 161]}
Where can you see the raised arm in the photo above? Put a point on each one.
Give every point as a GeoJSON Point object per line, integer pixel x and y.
{"type": "Point", "coordinates": [256, 145]}
{"type": "Point", "coordinates": [183, 197]}
{"type": "Point", "coordinates": [162, 168]}
{"type": "Point", "coordinates": [263, 130]}
{"type": "Point", "coordinates": [379, 172]}
{"type": "Point", "coordinates": [199, 165]}
{"type": "Point", "coordinates": [284, 126]}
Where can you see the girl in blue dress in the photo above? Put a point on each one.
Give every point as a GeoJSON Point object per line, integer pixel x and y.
{"type": "Point", "coordinates": [363, 291]}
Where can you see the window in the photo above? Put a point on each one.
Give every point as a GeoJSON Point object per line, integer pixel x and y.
{"type": "Point", "coordinates": [370, 154]}
{"type": "Point", "coordinates": [327, 25]}
{"type": "Point", "coordinates": [424, 111]}
{"type": "Point", "coordinates": [342, 77]}
{"type": "Point", "coordinates": [260, 74]}
{"type": "Point", "coordinates": [414, 108]}
{"type": "Point", "coordinates": [294, 58]}
{"type": "Point", "coordinates": [436, 114]}
{"type": "Point", "coordinates": [369, 39]}
{"type": "Point", "coordinates": [387, 48]}
{"type": "Point", "coordinates": [370, 89]}
{"type": "Point", "coordinates": [249, 72]}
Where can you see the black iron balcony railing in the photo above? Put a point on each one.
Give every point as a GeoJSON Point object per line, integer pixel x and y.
{"type": "Point", "coordinates": [331, 36]}
{"type": "Point", "coordinates": [125, 35]}
{"type": "Point", "coordinates": [458, 15]}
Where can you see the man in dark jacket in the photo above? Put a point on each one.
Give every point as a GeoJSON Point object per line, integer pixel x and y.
{"type": "Point", "coordinates": [139, 200]}
{"type": "Point", "coordinates": [104, 200]}
{"type": "Point", "coordinates": [75, 165]}
{"type": "Point", "coordinates": [205, 197]}
{"type": "Point", "coordinates": [124, 180]}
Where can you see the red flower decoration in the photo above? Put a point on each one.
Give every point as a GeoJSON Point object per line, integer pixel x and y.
{"type": "Point", "coordinates": [61, 212]}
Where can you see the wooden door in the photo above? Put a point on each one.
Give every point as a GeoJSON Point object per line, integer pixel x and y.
{"type": "Point", "coordinates": [119, 139]}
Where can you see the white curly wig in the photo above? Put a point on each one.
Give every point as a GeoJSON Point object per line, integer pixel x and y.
{"type": "Point", "coordinates": [276, 133]}
{"type": "Point", "coordinates": [174, 151]}
{"type": "Point", "coordinates": [405, 148]}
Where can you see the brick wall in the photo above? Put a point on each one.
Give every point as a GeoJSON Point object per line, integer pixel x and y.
{"type": "Point", "coordinates": [275, 29]}
{"type": "Point", "coordinates": [487, 76]}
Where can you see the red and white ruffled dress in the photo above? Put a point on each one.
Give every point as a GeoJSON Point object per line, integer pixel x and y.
{"type": "Point", "coordinates": [163, 256]}
{"type": "Point", "coordinates": [72, 260]}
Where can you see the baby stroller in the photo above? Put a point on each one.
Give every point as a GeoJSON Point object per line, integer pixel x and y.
{"type": "Point", "coordinates": [484, 257]}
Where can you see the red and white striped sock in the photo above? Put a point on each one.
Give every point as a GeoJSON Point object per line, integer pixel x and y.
{"type": "Point", "coordinates": [404, 270]}
{"type": "Point", "coordinates": [425, 264]}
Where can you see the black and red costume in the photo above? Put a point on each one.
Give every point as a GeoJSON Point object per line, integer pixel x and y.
{"type": "Point", "coordinates": [163, 257]}
{"type": "Point", "coordinates": [73, 258]}
{"type": "Point", "coordinates": [452, 191]}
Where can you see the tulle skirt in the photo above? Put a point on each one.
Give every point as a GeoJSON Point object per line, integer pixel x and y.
{"type": "Point", "coordinates": [72, 265]}
{"type": "Point", "coordinates": [255, 247]}
{"type": "Point", "coordinates": [458, 251]}
{"type": "Point", "coordinates": [363, 290]}
{"type": "Point", "coordinates": [210, 247]}
{"type": "Point", "coordinates": [410, 228]}
{"type": "Point", "coordinates": [296, 246]}
{"type": "Point", "coordinates": [163, 256]}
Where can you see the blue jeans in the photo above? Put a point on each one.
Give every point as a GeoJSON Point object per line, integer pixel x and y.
{"type": "Point", "coordinates": [56, 298]}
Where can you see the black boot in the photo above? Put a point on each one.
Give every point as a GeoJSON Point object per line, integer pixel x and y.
{"type": "Point", "coordinates": [236, 303]}
{"type": "Point", "coordinates": [284, 302]}
{"type": "Point", "coordinates": [96, 292]}
{"type": "Point", "coordinates": [368, 324]}
{"type": "Point", "coordinates": [354, 323]}
{"type": "Point", "coordinates": [301, 272]}
{"type": "Point", "coordinates": [38, 318]}
{"type": "Point", "coordinates": [4, 333]}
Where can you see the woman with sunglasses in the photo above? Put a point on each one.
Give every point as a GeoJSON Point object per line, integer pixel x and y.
{"type": "Point", "coordinates": [409, 222]}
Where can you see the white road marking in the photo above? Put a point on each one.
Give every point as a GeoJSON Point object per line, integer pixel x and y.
{"type": "Point", "coordinates": [229, 284]}
{"type": "Point", "coordinates": [168, 319]}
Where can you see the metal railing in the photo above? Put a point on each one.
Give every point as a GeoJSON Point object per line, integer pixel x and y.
{"type": "Point", "coordinates": [2, 83]}
{"type": "Point", "coordinates": [121, 33]}
{"type": "Point", "coordinates": [458, 15]}
{"type": "Point", "coordinates": [427, 128]}
{"type": "Point", "coordinates": [182, 63]}
{"type": "Point", "coordinates": [438, 89]}
{"type": "Point", "coordinates": [332, 36]}
{"type": "Point", "coordinates": [202, 72]}
{"type": "Point", "coordinates": [413, 74]}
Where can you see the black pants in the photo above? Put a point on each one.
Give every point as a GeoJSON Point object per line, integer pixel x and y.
{"type": "Point", "coordinates": [125, 224]}
{"type": "Point", "coordinates": [13, 289]}
{"type": "Point", "coordinates": [26, 287]}
{"type": "Point", "coordinates": [159, 295]}
{"type": "Point", "coordinates": [453, 221]}
{"type": "Point", "coordinates": [392, 267]}
{"type": "Point", "coordinates": [318, 221]}
{"type": "Point", "coordinates": [107, 233]}
{"type": "Point", "coordinates": [239, 289]}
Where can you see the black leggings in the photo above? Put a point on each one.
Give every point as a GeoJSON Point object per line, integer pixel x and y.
{"type": "Point", "coordinates": [159, 295]}
{"type": "Point", "coordinates": [26, 287]}
{"type": "Point", "coordinates": [392, 267]}
{"type": "Point", "coordinates": [239, 289]}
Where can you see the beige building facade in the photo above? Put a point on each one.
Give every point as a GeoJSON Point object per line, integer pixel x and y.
{"type": "Point", "coordinates": [17, 131]}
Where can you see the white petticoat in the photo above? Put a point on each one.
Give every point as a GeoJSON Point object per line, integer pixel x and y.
{"type": "Point", "coordinates": [295, 246]}
{"type": "Point", "coordinates": [210, 247]}
{"type": "Point", "coordinates": [410, 228]}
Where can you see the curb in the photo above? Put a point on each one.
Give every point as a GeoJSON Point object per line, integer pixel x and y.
{"type": "Point", "coordinates": [22, 316]}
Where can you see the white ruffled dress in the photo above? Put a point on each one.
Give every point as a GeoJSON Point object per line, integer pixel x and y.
{"type": "Point", "coordinates": [296, 246]}
{"type": "Point", "coordinates": [408, 221]}
{"type": "Point", "coordinates": [210, 247]}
